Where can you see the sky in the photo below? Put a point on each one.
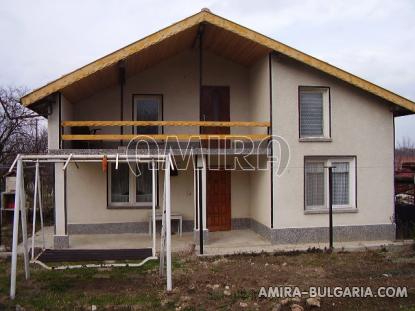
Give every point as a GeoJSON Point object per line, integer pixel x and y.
{"type": "Point", "coordinates": [374, 39]}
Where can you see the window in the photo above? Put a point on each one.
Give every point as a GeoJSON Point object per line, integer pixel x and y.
{"type": "Point", "coordinates": [120, 189]}
{"type": "Point", "coordinates": [147, 108]}
{"type": "Point", "coordinates": [128, 189]}
{"type": "Point", "coordinates": [314, 109]}
{"type": "Point", "coordinates": [340, 181]}
{"type": "Point", "coordinates": [316, 183]}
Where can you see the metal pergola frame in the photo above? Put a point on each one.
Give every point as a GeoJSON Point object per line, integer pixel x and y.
{"type": "Point", "coordinates": [20, 208]}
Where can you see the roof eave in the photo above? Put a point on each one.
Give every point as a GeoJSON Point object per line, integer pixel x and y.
{"type": "Point", "coordinates": [205, 16]}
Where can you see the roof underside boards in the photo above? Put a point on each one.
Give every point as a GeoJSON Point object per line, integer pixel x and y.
{"type": "Point", "coordinates": [221, 37]}
{"type": "Point", "coordinates": [134, 63]}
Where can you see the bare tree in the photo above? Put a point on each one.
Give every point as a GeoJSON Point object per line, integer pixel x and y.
{"type": "Point", "coordinates": [21, 130]}
{"type": "Point", "coordinates": [404, 150]}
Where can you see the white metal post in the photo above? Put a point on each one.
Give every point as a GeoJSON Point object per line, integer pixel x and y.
{"type": "Point", "coordinates": [14, 163]}
{"type": "Point", "coordinates": [60, 215]}
{"type": "Point", "coordinates": [168, 225]}
{"type": "Point", "coordinates": [34, 209]}
{"type": "Point", "coordinates": [15, 229]}
{"type": "Point", "coordinates": [163, 231]}
{"type": "Point", "coordinates": [67, 162]}
{"type": "Point", "coordinates": [24, 225]}
{"type": "Point", "coordinates": [39, 191]}
{"type": "Point", "coordinates": [195, 198]}
{"type": "Point", "coordinates": [203, 190]}
{"type": "Point", "coordinates": [154, 206]}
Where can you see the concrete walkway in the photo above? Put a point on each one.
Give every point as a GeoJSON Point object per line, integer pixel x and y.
{"type": "Point", "coordinates": [220, 243]}
{"type": "Point", "coordinates": [112, 241]}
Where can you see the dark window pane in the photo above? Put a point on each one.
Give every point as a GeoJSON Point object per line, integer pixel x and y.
{"type": "Point", "coordinates": [147, 109]}
{"type": "Point", "coordinates": [144, 184]}
{"type": "Point", "coordinates": [120, 183]}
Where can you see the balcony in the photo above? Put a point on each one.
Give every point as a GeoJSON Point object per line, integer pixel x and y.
{"type": "Point", "coordinates": [207, 134]}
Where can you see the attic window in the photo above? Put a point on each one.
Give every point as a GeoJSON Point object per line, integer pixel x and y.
{"type": "Point", "coordinates": [314, 109]}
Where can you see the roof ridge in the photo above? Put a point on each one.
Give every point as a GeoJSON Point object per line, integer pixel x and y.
{"type": "Point", "coordinates": [205, 15]}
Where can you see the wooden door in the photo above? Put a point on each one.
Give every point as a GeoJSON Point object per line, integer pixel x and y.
{"type": "Point", "coordinates": [214, 106]}
{"type": "Point", "coordinates": [218, 200]}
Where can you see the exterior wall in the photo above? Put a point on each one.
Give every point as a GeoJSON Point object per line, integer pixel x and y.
{"type": "Point", "coordinates": [61, 239]}
{"type": "Point", "coordinates": [67, 112]}
{"type": "Point", "coordinates": [60, 220]}
{"type": "Point", "coordinates": [177, 79]}
{"type": "Point", "coordinates": [361, 126]}
{"type": "Point", "coordinates": [87, 196]}
{"type": "Point", "coordinates": [240, 194]}
{"type": "Point", "coordinates": [260, 198]}
{"type": "Point", "coordinates": [259, 92]}
{"type": "Point", "coordinates": [53, 125]}
{"type": "Point", "coordinates": [63, 111]}
{"type": "Point", "coordinates": [260, 184]}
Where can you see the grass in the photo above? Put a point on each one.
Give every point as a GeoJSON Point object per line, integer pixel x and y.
{"type": "Point", "coordinates": [75, 289]}
{"type": "Point", "coordinates": [142, 288]}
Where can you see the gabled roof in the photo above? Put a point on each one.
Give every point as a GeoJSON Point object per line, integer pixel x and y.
{"type": "Point", "coordinates": [223, 36]}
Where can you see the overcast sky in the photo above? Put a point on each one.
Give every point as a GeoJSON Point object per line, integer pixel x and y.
{"type": "Point", "coordinates": [42, 40]}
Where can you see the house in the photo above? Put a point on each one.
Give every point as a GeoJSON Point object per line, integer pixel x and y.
{"type": "Point", "coordinates": [208, 76]}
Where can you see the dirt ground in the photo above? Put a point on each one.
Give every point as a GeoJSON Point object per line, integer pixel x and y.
{"type": "Point", "coordinates": [219, 283]}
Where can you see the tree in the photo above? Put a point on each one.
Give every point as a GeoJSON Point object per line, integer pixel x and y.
{"type": "Point", "coordinates": [404, 151]}
{"type": "Point", "coordinates": [21, 130]}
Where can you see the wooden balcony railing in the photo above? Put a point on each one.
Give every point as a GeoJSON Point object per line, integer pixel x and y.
{"type": "Point", "coordinates": [115, 137]}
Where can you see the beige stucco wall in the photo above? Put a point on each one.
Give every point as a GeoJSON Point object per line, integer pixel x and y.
{"type": "Point", "coordinates": [259, 92]}
{"type": "Point", "coordinates": [53, 125]}
{"type": "Point", "coordinates": [240, 194]}
{"type": "Point", "coordinates": [87, 196]}
{"type": "Point", "coordinates": [260, 197]}
{"type": "Point", "coordinates": [260, 181]}
{"type": "Point", "coordinates": [87, 201]}
{"type": "Point", "coordinates": [361, 126]}
{"type": "Point", "coordinates": [177, 79]}
{"type": "Point", "coordinates": [66, 113]}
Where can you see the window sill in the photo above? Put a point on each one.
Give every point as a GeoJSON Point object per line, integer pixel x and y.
{"type": "Point", "coordinates": [335, 211]}
{"type": "Point", "coordinates": [315, 139]}
{"type": "Point", "coordinates": [146, 207]}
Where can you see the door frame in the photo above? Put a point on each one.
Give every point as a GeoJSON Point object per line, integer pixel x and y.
{"type": "Point", "coordinates": [200, 104]}
{"type": "Point", "coordinates": [216, 169]}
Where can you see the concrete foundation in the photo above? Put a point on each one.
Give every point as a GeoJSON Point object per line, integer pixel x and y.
{"type": "Point", "coordinates": [340, 234]}
{"type": "Point", "coordinates": [275, 236]}
{"type": "Point", "coordinates": [60, 241]}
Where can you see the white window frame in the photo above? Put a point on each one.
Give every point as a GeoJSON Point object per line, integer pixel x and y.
{"type": "Point", "coordinates": [325, 91]}
{"type": "Point", "coordinates": [331, 161]}
{"type": "Point", "coordinates": [132, 180]}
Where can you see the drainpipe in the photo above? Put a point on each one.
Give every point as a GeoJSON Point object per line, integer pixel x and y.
{"type": "Point", "coordinates": [121, 78]}
{"type": "Point", "coordinates": [200, 212]}
{"type": "Point", "coordinates": [330, 168]}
